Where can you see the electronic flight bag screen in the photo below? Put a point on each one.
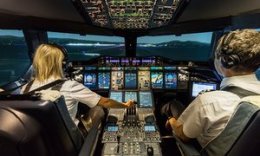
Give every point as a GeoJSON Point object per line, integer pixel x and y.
{"type": "Point", "coordinates": [90, 80]}
{"type": "Point", "coordinates": [197, 87]}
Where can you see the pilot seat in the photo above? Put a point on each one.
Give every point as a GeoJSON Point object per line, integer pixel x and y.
{"type": "Point", "coordinates": [240, 137]}
{"type": "Point", "coordinates": [30, 126]}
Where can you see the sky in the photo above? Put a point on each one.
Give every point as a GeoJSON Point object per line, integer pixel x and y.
{"type": "Point", "coordinates": [86, 37]}
{"type": "Point", "coordinates": [200, 37]}
{"type": "Point", "coordinates": [18, 33]}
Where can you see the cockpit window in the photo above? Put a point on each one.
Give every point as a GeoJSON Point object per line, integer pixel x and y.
{"type": "Point", "coordinates": [14, 58]}
{"type": "Point", "coordinates": [88, 46]}
{"type": "Point", "coordinates": [186, 47]}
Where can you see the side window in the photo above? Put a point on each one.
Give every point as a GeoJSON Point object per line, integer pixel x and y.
{"type": "Point", "coordinates": [14, 59]}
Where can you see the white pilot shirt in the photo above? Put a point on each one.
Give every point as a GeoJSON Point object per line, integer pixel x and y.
{"type": "Point", "coordinates": [73, 93]}
{"type": "Point", "coordinates": [207, 116]}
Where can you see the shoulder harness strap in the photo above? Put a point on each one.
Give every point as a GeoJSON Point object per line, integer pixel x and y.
{"type": "Point", "coordinates": [49, 85]}
{"type": "Point", "coordinates": [239, 91]}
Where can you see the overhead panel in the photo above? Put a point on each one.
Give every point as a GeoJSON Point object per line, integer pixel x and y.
{"type": "Point", "coordinates": [130, 14]}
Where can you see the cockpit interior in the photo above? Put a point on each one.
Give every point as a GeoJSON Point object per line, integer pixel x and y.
{"type": "Point", "coordinates": [151, 51]}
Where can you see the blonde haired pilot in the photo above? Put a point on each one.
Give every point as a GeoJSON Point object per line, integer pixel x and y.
{"type": "Point", "coordinates": [48, 67]}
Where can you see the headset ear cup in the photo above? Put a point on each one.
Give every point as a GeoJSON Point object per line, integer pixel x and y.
{"type": "Point", "coordinates": [64, 64]}
{"type": "Point", "coordinates": [224, 61]}
{"type": "Point", "coordinates": [230, 61]}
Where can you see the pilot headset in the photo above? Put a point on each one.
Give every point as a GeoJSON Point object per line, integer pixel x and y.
{"type": "Point", "coordinates": [65, 62]}
{"type": "Point", "coordinates": [228, 58]}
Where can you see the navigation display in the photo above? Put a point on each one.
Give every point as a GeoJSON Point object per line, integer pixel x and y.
{"type": "Point", "coordinates": [104, 80]}
{"type": "Point", "coordinates": [170, 80]}
{"type": "Point", "coordinates": [157, 80]}
{"type": "Point", "coordinates": [118, 96]}
{"type": "Point", "coordinates": [90, 80]}
{"type": "Point", "coordinates": [130, 80]}
{"type": "Point", "coordinates": [117, 80]}
{"type": "Point", "coordinates": [130, 96]}
{"type": "Point", "coordinates": [144, 80]}
{"type": "Point", "coordinates": [145, 99]}
{"type": "Point", "coordinates": [197, 87]}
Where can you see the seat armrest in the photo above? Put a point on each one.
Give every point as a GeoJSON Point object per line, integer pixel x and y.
{"type": "Point", "coordinates": [187, 148]}
{"type": "Point", "coordinates": [90, 142]}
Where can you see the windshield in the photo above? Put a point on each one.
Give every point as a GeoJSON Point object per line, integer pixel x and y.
{"type": "Point", "coordinates": [89, 46]}
{"type": "Point", "coordinates": [14, 58]}
{"type": "Point", "coordinates": [193, 47]}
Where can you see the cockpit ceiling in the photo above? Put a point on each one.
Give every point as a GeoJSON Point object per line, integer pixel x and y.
{"type": "Point", "coordinates": [130, 14]}
{"type": "Point", "coordinates": [124, 17]}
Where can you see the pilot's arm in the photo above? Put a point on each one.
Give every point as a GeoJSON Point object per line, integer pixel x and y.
{"type": "Point", "coordinates": [177, 127]}
{"type": "Point", "coordinates": [84, 95]}
{"type": "Point", "coordinates": [190, 123]}
{"type": "Point", "coordinates": [110, 103]}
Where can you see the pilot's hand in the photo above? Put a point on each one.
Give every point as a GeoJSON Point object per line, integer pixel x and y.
{"type": "Point", "coordinates": [129, 103]}
{"type": "Point", "coordinates": [169, 122]}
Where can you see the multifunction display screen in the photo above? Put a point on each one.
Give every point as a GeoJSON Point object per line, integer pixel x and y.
{"type": "Point", "coordinates": [144, 80]}
{"type": "Point", "coordinates": [104, 80]}
{"type": "Point", "coordinates": [157, 80]}
{"type": "Point", "coordinates": [170, 80]}
{"type": "Point", "coordinates": [117, 80]}
{"type": "Point", "coordinates": [90, 80]}
{"type": "Point", "coordinates": [145, 99]}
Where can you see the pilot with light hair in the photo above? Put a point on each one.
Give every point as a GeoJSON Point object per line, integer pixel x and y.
{"type": "Point", "coordinates": [48, 63]}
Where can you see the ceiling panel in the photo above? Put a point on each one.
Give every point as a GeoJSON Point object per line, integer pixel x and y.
{"type": "Point", "coordinates": [130, 14]}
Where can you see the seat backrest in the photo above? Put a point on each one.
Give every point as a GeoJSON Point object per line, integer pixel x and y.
{"type": "Point", "coordinates": [73, 130]}
{"type": "Point", "coordinates": [36, 127]}
{"type": "Point", "coordinates": [241, 135]}
{"type": "Point", "coordinates": [249, 141]}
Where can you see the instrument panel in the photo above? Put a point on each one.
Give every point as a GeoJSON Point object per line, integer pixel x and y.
{"type": "Point", "coordinates": [139, 73]}
{"type": "Point", "coordinates": [144, 80]}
